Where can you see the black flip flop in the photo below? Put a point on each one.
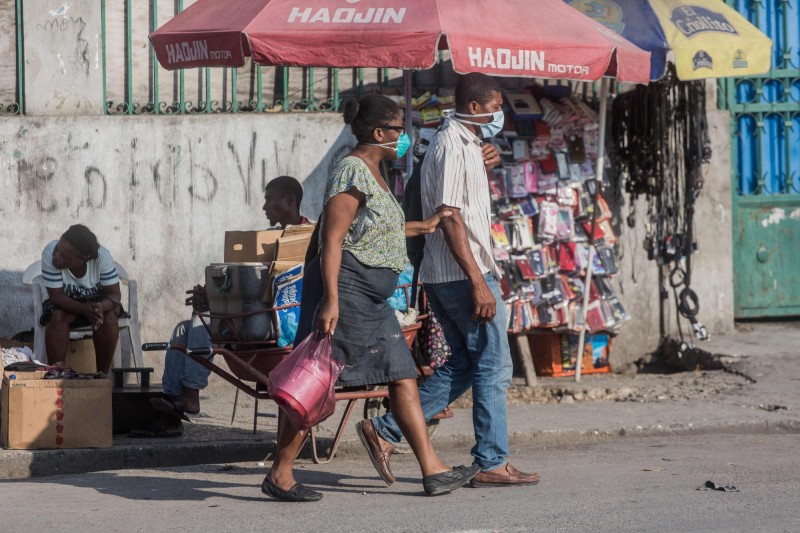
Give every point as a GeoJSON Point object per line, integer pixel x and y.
{"type": "Point", "coordinates": [298, 493]}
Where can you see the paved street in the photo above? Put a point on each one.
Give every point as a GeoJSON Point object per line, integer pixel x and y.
{"type": "Point", "coordinates": [620, 484]}
{"type": "Point", "coordinates": [739, 427]}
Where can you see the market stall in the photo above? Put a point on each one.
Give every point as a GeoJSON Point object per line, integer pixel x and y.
{"type": "Point", "coordinates": [546, 39]}
{"type": "Point", "coordinates": [543, 195]}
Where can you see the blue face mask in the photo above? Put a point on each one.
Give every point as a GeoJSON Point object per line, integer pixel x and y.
{"type": "Point", "coordinates": [487, 130]}
{"type": "Point", "coordinates": [402, 145]}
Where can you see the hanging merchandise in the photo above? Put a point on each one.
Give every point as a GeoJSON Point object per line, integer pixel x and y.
{"type": "Point", "coordinates": [542, 210]}
{"type": "Point", "coordinates": [661, 141]}
{"type": "Point", "coordinates": [542, 205]}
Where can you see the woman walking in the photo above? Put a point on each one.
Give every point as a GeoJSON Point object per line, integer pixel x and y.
{"type": "Point", "coordinates": [362, 251]}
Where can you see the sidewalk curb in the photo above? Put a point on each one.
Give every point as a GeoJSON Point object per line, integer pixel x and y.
{"type": "Point", "coordinates": [24, 464]}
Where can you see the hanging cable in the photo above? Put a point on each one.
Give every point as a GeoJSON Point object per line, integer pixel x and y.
{"type": "Point", "coordinates": [660, 138]}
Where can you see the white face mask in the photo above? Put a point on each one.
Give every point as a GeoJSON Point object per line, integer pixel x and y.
{"type": "Point", "coordinates": [489, 129]}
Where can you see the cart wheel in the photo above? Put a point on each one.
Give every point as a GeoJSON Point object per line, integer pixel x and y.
{"type": "Point", "coordinates": [380, 406]}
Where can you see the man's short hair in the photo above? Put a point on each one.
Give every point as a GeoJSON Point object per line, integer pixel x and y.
{"type": "Point", "coordinates": [475, 87]}
{"type": "Point", "coordinates": [287, 185]}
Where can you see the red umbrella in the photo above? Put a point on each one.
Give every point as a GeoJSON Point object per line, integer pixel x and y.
{"type": "Point", "coordinates": [519, 38]}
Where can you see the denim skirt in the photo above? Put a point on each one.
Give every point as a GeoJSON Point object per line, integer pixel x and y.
{"type": "Point", "coordinates": [368, 337]}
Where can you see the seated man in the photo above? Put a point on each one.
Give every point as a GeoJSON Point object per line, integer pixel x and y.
{"type": "Point", "coordinates": [282, 198]}
{"type": "Point", "coordinates": [184, 378]}
{"type": "Point", "coordinates": [83, 289]}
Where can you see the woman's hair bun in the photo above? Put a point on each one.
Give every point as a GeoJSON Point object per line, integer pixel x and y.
{"type": "Point", "coordinates": [350, 110]}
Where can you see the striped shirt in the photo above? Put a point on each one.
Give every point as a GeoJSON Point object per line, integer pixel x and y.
{"type": "Point", "coordinates": [99, 272]}
{"type": "Point", "coordinates": [453, 175]}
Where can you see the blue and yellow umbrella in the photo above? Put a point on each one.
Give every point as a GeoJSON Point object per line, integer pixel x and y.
{"type": "Point", "coordinates": [707, 38]}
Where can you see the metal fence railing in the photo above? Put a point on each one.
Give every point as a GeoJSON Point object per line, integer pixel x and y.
{"type": "Point", "coordinates": [145, 87]}
{"type": "Point", "coordinates": [765, 110]}
{"type": "Point", "coordinates": [134, 83]}
{"type": "Point", "coordinates": [12, 94]}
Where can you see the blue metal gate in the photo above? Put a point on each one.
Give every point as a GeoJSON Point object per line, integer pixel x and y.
{"type": "Point", "coordinates": [765, 161]}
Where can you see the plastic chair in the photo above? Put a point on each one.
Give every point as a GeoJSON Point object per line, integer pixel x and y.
{"type": "Point", "coordinates": [33, 277]}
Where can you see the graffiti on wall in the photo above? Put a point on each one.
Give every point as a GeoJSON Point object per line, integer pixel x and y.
{"type": "Point", "coordinates": [64, 56]}
{"type": "Point", "coordinates": [85, 171]}
{"type": "Point", "coordinates": [172, 173]}
{"type": "Point", "coordinates": [74, 29]}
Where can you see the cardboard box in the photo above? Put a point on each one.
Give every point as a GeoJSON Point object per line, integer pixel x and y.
{"type": "Point", "coordinates": [265, 246]}
{"type": "Point", "coordinates": [293, 244]}
{"type": "Point", "coordinates": [299, 229]}
{"type": "Point", "coordinates": [81, 357]}
{"type": "Point", "coordinates": [292, 248]}
{"type": "Point", "coordinates": [40, 414]}
{"type": "Point", "coordinates": [251, 246]}
{"type": "Point", "coordinates": [80, 354]}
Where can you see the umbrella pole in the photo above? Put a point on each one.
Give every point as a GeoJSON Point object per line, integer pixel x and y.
{"type": "Point", "coordinates": [598, 180]}
{"type": "Point", "coordinates": [407, 84]}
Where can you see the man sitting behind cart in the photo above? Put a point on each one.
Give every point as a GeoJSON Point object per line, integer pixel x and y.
{"type": "Point", "coordinates": [183, 378]}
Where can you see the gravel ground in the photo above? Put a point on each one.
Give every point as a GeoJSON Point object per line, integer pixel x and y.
{"type": "Point", "coordinates": [641, 387]}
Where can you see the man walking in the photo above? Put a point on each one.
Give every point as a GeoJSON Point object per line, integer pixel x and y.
{"type": "Point", "coordinates": [461, 281]}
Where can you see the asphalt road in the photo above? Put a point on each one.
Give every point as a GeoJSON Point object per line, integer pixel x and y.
{"type": "Point", "coordinates": [623, 484]}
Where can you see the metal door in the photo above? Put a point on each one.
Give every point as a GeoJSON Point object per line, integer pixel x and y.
{"type": "Point", "coordinates": [765, 161]}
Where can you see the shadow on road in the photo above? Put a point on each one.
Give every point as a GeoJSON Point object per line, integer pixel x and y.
{"type": "Point", "coordinates": [199, 483]}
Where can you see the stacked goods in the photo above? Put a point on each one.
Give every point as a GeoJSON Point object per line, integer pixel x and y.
{"type": "Point", "coordinates": [542, 204]}
{"type": "Point", "coordinates": [234, 291]}
{"type": "Point", "coordinates": [542, 218]}
{"type": "Point", "coordinates": [428, 109]}
{"type": "Point", "coordinates": [254, 295]}
{"type": "Point", "coordinates": [270, 245]}
{"type": "Point", "coordinates": [542, 209]}
{"type": "Point", "coordinates": [555, 354]}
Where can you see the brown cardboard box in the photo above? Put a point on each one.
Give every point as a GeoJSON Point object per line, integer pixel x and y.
{"type": "Point", "coordinates": [292, 248]}
{"type": "Point", "coordinates": [300, 229]}
{"type": "Point", "coordinates": [80, 356]}
{"type": "Point", "coordinates": [251, 246]}
{"type": "Point", "coordinates": [268, 245]}
{"type": "Point", "coordinates": [54, 413]}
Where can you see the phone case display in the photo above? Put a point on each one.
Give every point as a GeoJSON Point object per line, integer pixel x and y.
{"type": "Point", "coordinates": [542, 203]}
{"type": "Point", "coordinates": [542, 210]}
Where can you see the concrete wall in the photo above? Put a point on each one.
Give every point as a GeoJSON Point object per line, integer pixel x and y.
{"type": "Point", "coordinates": [159, 192]}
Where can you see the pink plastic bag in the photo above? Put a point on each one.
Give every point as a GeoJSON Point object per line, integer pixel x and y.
{"type": "Point", "coordinates": [303, 384]}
